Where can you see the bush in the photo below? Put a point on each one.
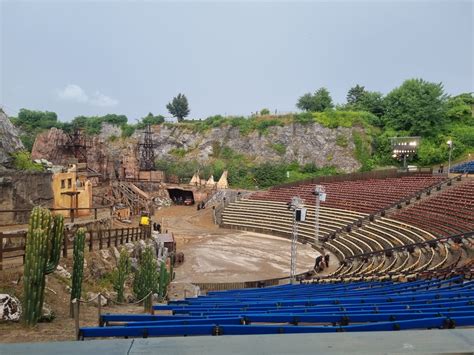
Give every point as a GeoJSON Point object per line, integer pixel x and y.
{"type": "Point", "coordinates": [279, 148]}
{"type": "Point", "coordinates": [303, 118]}
{"type": "Point", "coordinates": [22, 161]}
{"type": "Point", "coordinates": [341, 140]}
{"type": "Point", "coordinates": [178, 152]}
{"type": "Point", "coordinates": [362, 151]}
{"type": "Point", "coordinates": [264, 111]}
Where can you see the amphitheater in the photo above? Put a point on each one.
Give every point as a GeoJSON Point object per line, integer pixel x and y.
{"type": "Point", "coordinates": [401, 246]}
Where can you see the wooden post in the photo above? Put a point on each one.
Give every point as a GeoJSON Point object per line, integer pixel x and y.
{"type": "Point", "coordinates": [99, 235]}
{"type": "Point", "coordinates": [109, 241]}
{"type": "Point", "coordinates": [127, 239]}
{"type": "Point", "coordinates": [1, 251]}
{"type": "Point", "coordinates": [71, 214]}
{"type": "Point", "coordinates": [65, 245]}
{"type": "Point", "coordinates": [95, 213]}
{"type": "Point", "coordinates": [91, 241]}
{"type": "Point", "coordinates": [116, 236]}
{"type": "Point", "coordinates": [99, 308]}
{"type": "Point", "coordinates": [151, 303]}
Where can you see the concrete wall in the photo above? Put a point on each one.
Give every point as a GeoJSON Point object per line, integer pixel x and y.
{"type": "Point", "coordinates": [23, 190]}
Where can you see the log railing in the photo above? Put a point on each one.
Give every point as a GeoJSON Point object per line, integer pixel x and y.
{"type": "Point", "coordinates": [95, 240]}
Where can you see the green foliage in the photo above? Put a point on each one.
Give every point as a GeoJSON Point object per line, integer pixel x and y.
{"type": "Point", "coordinates": [178, 152]}
{"type": "Point", "coordinates": [22, 161]}
{"type": "Point", "coordinates": [319, 102]}
{"type": "Point", "coordinates": [355, 94]}
{"type": "Point", "coordinates": [93, 124]}
{"type": "Point", "coordinates": [31, 123]}
{"type": "Point", "coordinates": [269, 174]}
{"type": "Point", "coordinates": [359, 99]}
{"type": "Point", "coordinates": [279, 148]}
{"type": "Point", "coordinates": [127, 130]}
{"type": "Point", "coordinates": [43, 247]}
{"type": "Point", "coordinates": [262, 126]}
{"type": "Point", "coordinates": [151, 120]}
{"type": "Point", "coordinates": [264, 111]}
{"type": "Point", "coordinates": [146, 278]}
{"type": "Point", "coordinates": [362, 151]}
{"type": "Point", "coordinates": [348, 119]}
{"type": "Point", "coordinates": [303, 118]}
{"type": "Point", "coordinates": [120, 274]}
{"type": "Point", "coordinates": [179, 107]}
{"type": "Point", "coordinates": [417, 106]}
{"type": "Point", "coordinates": [341, 140]}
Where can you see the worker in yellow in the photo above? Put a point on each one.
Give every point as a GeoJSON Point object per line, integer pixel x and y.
{"type": "Point", "coordinates": [144, 220]}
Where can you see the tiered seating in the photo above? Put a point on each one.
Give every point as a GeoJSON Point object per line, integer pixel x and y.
{"type": "Point", "coordinates": [274, 217]}
{"type": "Point", "coordinates": [364, 196]}
{"type": "Point", "coordinates": [305, 308]}
{"type": "Point", "coordinates": [466, 167]}
{"type": "Point", "coordinates": [449, 212]}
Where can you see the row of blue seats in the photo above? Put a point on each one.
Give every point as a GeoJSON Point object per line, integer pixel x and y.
{"type": "Point", "coordinates": [237, 329]}
{"type": "Point", "coordinates": [464, 167]}
{"type": "Point", "coordinates": [358, 306]}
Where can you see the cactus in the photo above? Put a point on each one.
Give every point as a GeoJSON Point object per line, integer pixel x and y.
{"type": "Point", "coordinates": [43, 246]}
{"type": "Point", "coordinates": [146, 277]}
{"type": "Point", "coordinates": [78, 265]}
{"type": "Point", "coordinates": [120, 274]}
{"type": "Point", "coordinates": [164, 280]}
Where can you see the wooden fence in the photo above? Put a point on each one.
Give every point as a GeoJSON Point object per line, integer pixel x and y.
{"type": "Point", "coordinates": [95, 240]}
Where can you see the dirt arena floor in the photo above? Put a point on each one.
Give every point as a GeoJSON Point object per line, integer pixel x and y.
{"type": "Point", "coordinates": [214, 254]}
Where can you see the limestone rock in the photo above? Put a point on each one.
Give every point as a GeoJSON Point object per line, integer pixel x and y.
{"type": "Point", "coordinates": [61, 271]}
{"type": "Point", "coordinates": [105, 254]}
{"type": "Point", "coordinates": [9, 140]}
{"type": "Point", "coordinates": [47, 315]}
{"type": "Point", "coordinates": [10, 308]}
{"type": "Point", "coordinates": [95, 297]}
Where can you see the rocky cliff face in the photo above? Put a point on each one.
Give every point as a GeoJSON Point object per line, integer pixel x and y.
{"type": "Point", "coordinates": [304, 143]}
{"type": "Point", "coordinates": [9, 140]}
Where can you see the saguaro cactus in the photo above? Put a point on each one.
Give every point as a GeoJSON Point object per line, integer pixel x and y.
{"type": "Point", "coordinates": [146, 277]}
{"type": "Point", "coordinates": [78, 265]}
{"type": "Point", "coordinates": [43, 246]}
{"type": "Point", "coordinates": [121, 273]}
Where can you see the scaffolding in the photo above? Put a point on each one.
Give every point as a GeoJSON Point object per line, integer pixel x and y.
{"type": "Point", "coordinates": [147, 154]}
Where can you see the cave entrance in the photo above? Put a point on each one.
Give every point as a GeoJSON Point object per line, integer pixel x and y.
{"type": "Point", "coordinates": [181, 197]}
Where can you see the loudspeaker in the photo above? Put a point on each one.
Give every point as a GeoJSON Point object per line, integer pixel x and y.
{"type": "Point", "coordinates": [300, 215]}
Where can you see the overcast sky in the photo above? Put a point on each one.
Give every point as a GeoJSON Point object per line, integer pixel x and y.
{"type": "Point", "coordinates": [131, 57]}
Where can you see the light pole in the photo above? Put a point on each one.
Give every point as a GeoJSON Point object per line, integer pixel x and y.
{"type": "Point", "coordinates": [320, 194]}
{"type": "Point", "coordinates": [299, 215]}
{"type": "Point", "coordinates": [450, 144]}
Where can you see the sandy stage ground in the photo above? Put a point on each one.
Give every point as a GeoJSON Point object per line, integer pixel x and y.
{"type": "Point", "coordinates": [214, 254]}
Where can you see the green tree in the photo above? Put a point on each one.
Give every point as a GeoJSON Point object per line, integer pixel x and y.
{"type": "Point", "coordinates": [264, 112]}
{"type": "Point", "coordinates": [416, 106]}
{"type": "Point", "coordinates": [355, 94]}
{"type": "Point", "coordinates": [151, 120]}
{"type": "Point", "coordinates": [459, 108]}
{"type": "Point", "coordinates": [179, 107]}
{"type": "Point", "coordinates": [319, 102]}
{"type": "Point", "coordinates": [32, 123]}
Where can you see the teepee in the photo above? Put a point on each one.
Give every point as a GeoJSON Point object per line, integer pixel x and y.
{"type": "Point", "coordinates": [211, 181]}
{"type": "Point", "coordinates": [223, 183]}
{"type": "Point", "coordinates": [195, 180]}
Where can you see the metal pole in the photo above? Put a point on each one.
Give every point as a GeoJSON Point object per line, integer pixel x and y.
{"type": "Point", "coordinates": [450, 151]}
{"type": "Point", "coordinates": [99, 308]}
{"type": "Point", "coordinates": [295, 205]}
{"type": "Point", "coordinates": [75, 305]}
{"type": "Point", "coordinates": [293, 248]}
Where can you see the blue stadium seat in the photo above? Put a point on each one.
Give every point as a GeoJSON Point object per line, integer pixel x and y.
{"type": "Point", "coordinates": [304, 308]}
